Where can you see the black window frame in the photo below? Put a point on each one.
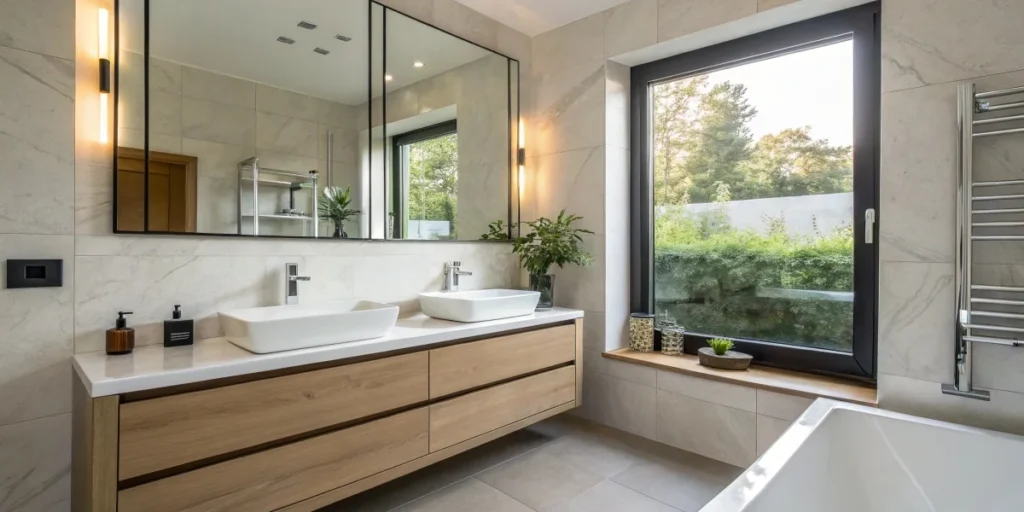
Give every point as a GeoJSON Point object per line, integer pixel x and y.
{"type": "Point", "coordinates": [862, 25]}
{"type": "Point", "coordinates": [398, 193]}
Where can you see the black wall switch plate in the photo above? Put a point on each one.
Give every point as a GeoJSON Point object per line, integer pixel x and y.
{"type": "Point", "coordinates": [35, 273]}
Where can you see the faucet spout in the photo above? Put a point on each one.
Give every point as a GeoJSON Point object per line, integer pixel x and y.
{"type": "Point", "coordinates": [452, 271]}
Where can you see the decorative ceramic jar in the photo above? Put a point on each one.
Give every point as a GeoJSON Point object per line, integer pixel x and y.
{"type": "Point", "coordinates": [672, 341]}
{"type": "Point", "coordinates": [641, 332]}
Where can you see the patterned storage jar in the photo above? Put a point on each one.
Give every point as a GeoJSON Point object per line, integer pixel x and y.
{"type": "Point", "coordinates": [672, 341]}
{"type": "Point", "coordinates": [641, 332]}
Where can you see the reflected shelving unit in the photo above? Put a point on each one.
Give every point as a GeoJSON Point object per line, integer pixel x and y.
{"type": "Point", "coordinates": [252, 178]}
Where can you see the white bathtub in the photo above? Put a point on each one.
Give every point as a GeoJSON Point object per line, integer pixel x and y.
{"type": "Point", "coordinates": [841, 457]}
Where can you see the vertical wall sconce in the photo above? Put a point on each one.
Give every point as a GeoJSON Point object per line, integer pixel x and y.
{"type": "Point", "coordinates": [103, 52]}
{"type": "Point", "coordinates": [521, 157]}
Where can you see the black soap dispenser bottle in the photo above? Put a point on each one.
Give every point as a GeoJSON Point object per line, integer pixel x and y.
{"type": "Point", "coordinates": [178, 332]}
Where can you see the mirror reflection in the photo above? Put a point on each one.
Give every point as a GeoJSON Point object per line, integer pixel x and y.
{"type": "Point", "coordinates": [448, 110]}
{"type": "Point", "coordinates": [254, 123]}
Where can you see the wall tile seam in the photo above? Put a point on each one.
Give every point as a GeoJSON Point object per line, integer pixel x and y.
{"type": "Point", "coordinates": [37, 418]}
{"type": "Point", "coordinates": [940, 383]}
{"type": "Point", "coordinates": [703, 400]}
{"type": "Point", "coordinates": [947, 82]}
{"type": "Point", "coordinates": [41, 54]}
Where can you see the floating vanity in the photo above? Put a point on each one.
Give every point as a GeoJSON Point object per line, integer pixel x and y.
{"type": "Point", "coordinates": [215, 427]}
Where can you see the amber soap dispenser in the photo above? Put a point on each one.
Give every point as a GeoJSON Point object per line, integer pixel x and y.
{"type": "Point", "coordinates": [121, 339]}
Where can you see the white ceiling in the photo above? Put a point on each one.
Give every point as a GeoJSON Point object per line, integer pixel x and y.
{"type": "Point", "coordinates": [239, 38]}
{"type": "Point", "coordinates": [533, 17]}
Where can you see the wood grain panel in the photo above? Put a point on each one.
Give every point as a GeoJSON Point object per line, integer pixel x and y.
{"type": "Point", "coordinates": [345, 491]}
{"type": "Point", "coordinates": [282, 476]}
{"type": "Point", "coordinates": [468, 416]}
{"type": "Point", "coordinates": [93, 451]}
{"type": "Point", "coordinates": [170, 431]}
{"type": "Point", "coordinates": [470, 365]}
{"type": "Point", "coordinates": [579, 362]}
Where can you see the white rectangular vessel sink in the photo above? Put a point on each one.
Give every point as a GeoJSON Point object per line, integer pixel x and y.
{"type": "Point", "coordinates": [480, 305]}
{"type": "Point", "coordinates": [279, 328]}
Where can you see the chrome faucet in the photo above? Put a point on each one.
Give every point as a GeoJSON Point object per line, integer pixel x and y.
{"type": "Point", "coordinates": [452, 271]}
{"type": "Point", "coordinates": [291, 283]}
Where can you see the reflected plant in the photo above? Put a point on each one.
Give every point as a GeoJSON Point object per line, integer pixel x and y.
{"type": "Point", "coordinates": [497, 230]}
{"type": "Point", "coordinates": [334, 204]}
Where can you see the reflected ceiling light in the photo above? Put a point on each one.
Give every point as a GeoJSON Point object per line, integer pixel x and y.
{"type": "Point", "coordinates": [321, 51]}
{"type": "Point", "coordinates": [103, 53]}
{"type": "Point", "coordinates": [340, 37]}
{"type": "Point", "coordinates": [388, 78]}
{"type": "Point", "coordinates": [417, 64]}
{"type": "Point", "coordinates": [306, 25]}
{"type": "Point", "coordinates": [285, 40]}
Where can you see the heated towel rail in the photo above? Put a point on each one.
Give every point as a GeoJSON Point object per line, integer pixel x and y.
{"type": "Point", "coordinates": [985, 312]}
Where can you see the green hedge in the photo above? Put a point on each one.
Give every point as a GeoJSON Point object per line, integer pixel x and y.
{"type": "Point", "coordinates": [710, 284]}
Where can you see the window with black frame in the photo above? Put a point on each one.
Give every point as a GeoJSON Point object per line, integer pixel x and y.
{"type": "Point", "coordinates": [424, 202]}
{"type": "Point", "coordinates": [755, 188]}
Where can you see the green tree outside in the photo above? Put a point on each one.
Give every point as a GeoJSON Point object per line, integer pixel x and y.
{"type": "Point", "coordinates": [434, 180]}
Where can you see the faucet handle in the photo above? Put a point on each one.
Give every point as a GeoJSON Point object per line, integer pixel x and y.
{"type": "Point", "coordinates": [456, 263]}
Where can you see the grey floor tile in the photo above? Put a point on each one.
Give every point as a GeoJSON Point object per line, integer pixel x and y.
{"type": "Point", "coordinates": [609, 496]}
{"type": "Point", "coordinates": [470, 495]}
{"type": "Point", "coordinates": [427, 480]}
{"type": "Point", "coordinates": [686, 481]}
{"type": "Point", "coordinates": [600, 454]}
{"type": "Point", "coordinates": [541, 481]}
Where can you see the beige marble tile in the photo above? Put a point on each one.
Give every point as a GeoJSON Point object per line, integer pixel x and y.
{"type": "Point", "coordinates": [722, 393]}
{"type": "Point", "coordinates": [205, 85]}
{"type": "Point", "coordinates": [286, 135]}
{"type": "Point", "coordinates": [579, 42]}
{"type": "Point", "coordinates": [619, 404]}
{"type": "Point", "coordinates": [764, 5]}
{"type": "Point", "coordinates": [215, 159]}
{"type": "Point", "coordinates": [37, 325]}
{"type": "Point", "coordinates": [286, 103]}
{"type": "Point", "coordinates": [915, 329]}
{"type": "Point", "coordinates": [918, 175]}
{"type": "Point", "coordinates": [469, 495]}
{"type": "Point", "coordinates": [643, 375]}
{"type": "Point", "coordinates": [609, 496]}
{"type": "Point", "coordinates": [593, 331]}
{"type": "Point", "coordinates": [677, 18]}
{"type": "Point", "coordinates": [163, 75]}
{"type": "Point", "coordinates": [37, 143]}
{"type": "Point", "coordinates": [150, 286]}
{"type": "Point", "coordinates": [769, 430]}
{"type": "Point", "coordinates": [94, 198]}
{"type": "Point", "coordinates": [631, 26]}
{"type": "Point", "coordinates": [346, 144]}
{"type": "Point", "coordinates": [513, 43]}
{"type": "Point", "coordinates": [36, 473]}
{"type": "Point", "coordinates": [466, 23]}
{"type": "Point", "coordinates": [715, 431]}
{"type": "Point", "coordinates": [164, 113]}
{"type": "Point", "coordinates": [781, 406]}
{"type": "Point", "coordinates": [685, 481]}
{"type": "Point", "coordinates": [40, 26]}
{"type": "Point", "coordinates": [617, 93]}
{"type": "Point", "coordinates": [582, 287]}
{"type": "Point", "coordinates": [574, 181]}
{"type": "Point", "coordinates": [218, 122]}
{"type": "Point", "coordinates": [540, 481]}
{"type": "Point", "coordinates": [925, 398]}
{"type": "Point", "coordinates": [132, 138]}
{"type": "Point", "coordinates": [568, 106]}
{"type": "Point", "coordinates": [927, 42]}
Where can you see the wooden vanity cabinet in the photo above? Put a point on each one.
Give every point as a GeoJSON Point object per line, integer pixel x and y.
{"type": "Point", "coordinates": [306, 439]}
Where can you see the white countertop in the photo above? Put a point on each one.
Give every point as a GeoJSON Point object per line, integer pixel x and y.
{"type": "Point", "coordinates": [154, 366]}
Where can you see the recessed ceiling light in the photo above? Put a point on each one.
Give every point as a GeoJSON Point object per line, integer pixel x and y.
{"type": "Point", "coordinates": [388, 78]}
{"type": "Point", "coordinates": [340, 37]}
{"type": "Point", "coordinates": [417, 64]}
{"type": "Point", "coordinates": [321, 51]}
{"type": "Point", "coordinates": [285, 40]}
{"type": "Point", "coordinates": [306, 25]}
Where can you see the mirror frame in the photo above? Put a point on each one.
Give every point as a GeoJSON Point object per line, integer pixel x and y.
{"type": "Point", "coordinates": [516, 156]}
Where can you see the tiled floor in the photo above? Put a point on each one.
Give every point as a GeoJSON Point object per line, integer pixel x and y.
{"type": "Point", "coordinates": [564, 464]}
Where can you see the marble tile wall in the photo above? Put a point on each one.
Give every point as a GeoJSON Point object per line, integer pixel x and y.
{"type": "Point", "coordinates": [928, 48]}
{"type": "Point", "coordinates": [223, 120]}
{"type": "Point", "coordinates": [56, 203]}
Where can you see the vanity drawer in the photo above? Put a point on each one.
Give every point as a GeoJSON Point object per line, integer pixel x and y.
{"type": "Point", "coordinates": [468, 416]}
{"type": "Point", "coordinates": [461, 367]}
{"type": "Point", "coordinates": [170, 431]}
{"type": "Point", "coordinates": [275, 478]}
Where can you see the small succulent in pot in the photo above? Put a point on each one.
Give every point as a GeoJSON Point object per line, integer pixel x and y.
{"type": "Point", "coordinates": [719, 354]}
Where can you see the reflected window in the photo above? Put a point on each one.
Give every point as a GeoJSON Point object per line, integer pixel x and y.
{"type": "Point", "coordinates": [426, 170]}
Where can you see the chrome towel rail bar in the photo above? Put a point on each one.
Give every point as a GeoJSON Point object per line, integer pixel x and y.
{"type": "Point", "coordinates": [970, 104]}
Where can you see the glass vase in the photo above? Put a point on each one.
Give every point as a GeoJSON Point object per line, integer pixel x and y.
{"type": "Point", "coordinates": [672, 341]}
{"type": "Point", "coordinates": [545, 284]}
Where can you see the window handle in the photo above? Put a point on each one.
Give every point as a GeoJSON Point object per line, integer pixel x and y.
{"type": "Point", "coordinates": [869, 226]}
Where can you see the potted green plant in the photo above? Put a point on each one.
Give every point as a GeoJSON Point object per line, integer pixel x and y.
{"type": "Point", "coordinates": [719, 354]}
{"type": "Point", "coordinates": [550, 242]}
{"type": "Point", "coordinates": [333, 206]}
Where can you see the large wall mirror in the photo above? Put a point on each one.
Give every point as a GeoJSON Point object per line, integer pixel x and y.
{"type": "Point", "coordinates": [309, 118]}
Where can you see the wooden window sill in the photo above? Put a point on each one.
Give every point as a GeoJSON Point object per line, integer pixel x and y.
{"type": "Point", "coordinates": [772, 379]}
